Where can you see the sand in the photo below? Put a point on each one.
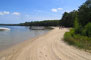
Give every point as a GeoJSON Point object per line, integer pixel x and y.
{"type": "Point", "coordinates": [49, 46]}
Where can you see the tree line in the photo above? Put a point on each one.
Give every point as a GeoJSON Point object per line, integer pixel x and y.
{"type": "Point", "coordinates": [83, 15]}
{"type": "Point", "coordinates": [36, 23]}
{"type": "Point", "coordinates": [41, 23]}
{"type": "Point", "coordinates": [68, 19]}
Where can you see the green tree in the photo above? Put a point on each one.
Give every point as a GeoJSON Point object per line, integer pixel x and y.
{"type": "Point", "coordinates": [68, 19]}
{"type": "Point", "coordinates": [77, 26]}
{"type": "Point", "coordinates": [87, 30]}
{"type": "Point", "coordinates": [85, 13]}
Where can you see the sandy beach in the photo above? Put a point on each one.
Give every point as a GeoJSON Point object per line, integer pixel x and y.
{"type": "Point", "coordinates": [49, 46]}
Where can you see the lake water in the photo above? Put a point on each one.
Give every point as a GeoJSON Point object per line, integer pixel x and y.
{"type": "Point", "coordinates": [16, 35]}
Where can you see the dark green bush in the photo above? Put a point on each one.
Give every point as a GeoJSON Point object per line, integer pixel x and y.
{"type": "Point", "coordinates": [77, 40]}
{"type": "Point", "coordinates": [77, 26]}
{"type": "Point", "coordinates": [87, 30]}
{"type": "Point", "coordinates": [68, 38]}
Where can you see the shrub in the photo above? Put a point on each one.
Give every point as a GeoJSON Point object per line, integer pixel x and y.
{"type": "Point", "coordinates": [72, 32]}
{"type": "Point", "coordinates": [77, 26]}
{"type": "Point", "coordinates": [68, 38]}
{"type": "Point", "coordinates": [77, 40]}
{"type": "Point", "coordinates": [87, 30]}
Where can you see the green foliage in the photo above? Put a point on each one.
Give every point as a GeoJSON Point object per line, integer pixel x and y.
{"type": "Point", "coordinates": [80, 20]}
{"type": "Point", "coordinates": [77, 26]}
{"type": "Point", "coordinates": [84, 13]}
{"type": "Point", "coordinates": [42, 23]}
{"type": "Point", "coordinates": [68, 38]}
{"type": "Point", "coordinates": [68, 19]}
{"type": "Point", "coordinates": [77, 40]}
{"type": "Point", "coordinates": [87, 30]}
{"type": "Point", "coordinates": [80, 35]}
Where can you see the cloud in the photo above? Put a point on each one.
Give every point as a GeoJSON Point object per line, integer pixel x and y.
{"type": "Point", "coordinates": [16, 13]}
{"type": "Point", "coordinates": [7, 13]}
{"type": "Point", "coordinates": [60, 8]}
{"type": "Point", "coordinates": [1, 13]}
{"type": "Point", "coordinates": [56, 9]}
{"type": "Point", "coordinates": [4, 13]}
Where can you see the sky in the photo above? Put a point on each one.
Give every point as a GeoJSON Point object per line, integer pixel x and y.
{"type": "Point", "coordinates": [20, 11]}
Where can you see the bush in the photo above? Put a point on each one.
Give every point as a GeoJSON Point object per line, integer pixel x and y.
{"type": "Point", "coordinates": [77, 40]}
{"type": "Point", "coordinates": [68, 38]}
{"type": "Point", "coordinates": [72, 32]}
{"type": "Point", "coordinates": [77, 26]}
{"type": "Point", "coordinates": [87, 30]}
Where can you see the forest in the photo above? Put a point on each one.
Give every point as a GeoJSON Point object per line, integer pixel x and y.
{"type": "Point", "coordinates": [41, 23]}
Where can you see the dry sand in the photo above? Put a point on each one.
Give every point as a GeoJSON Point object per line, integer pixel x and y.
{"type": "Point", "coordinates": [47, 47]}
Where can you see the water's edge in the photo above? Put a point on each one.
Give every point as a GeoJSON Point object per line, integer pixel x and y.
{"type": "Point", "coordinates": [17, 36]}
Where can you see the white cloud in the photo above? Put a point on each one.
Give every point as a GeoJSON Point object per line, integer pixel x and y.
{"type": "Point", "coordinates": [16, 13]}
{"type": "Point", "coordinates": [7, 13]}
{"type": "Point", "coordinates": [4, 13]}
{"type": "Point", "coordinates": [60, 8]}
{"type": "Point", "coordinates": [1, 13]}
{"type": "Point", "coordinates": [54, 10]}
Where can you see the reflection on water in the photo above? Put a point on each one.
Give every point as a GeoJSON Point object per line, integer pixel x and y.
{"type": "Point", "coordinates": [16, 35]}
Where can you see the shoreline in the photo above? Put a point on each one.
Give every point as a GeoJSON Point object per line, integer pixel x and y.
{"type": "Point", "coordinates": [49, 46]}
{"type": "Point", "coordinates": [18, 43]}
{"type": "Point", "coordinates": [15, 47]}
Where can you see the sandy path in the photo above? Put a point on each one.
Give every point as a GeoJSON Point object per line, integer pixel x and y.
{"type": "Point", "coordinates": [47, 47]}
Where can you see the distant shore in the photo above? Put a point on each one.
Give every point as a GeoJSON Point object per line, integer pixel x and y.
{"type": "Point", "coordinates": [49, 46]}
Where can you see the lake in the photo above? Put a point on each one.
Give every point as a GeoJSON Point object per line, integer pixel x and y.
{"type": "Point", "coordinates": [17, 34]}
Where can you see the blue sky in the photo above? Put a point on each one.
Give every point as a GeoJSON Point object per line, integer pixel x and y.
{"type": "Point", "coordinates": [19, 11]}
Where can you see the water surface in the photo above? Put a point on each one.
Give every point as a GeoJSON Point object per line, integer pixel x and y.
{"type": "Point", "coordinates": [16, 35]}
